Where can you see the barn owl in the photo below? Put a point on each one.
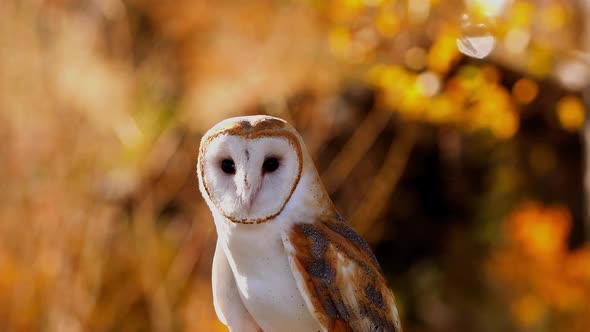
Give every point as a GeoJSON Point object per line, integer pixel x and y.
{"type": "Point", "coordinates": [285, 260]}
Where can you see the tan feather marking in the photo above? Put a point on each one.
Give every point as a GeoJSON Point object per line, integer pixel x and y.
{"type": "Point", "coordinates": [342, 277]}
{"type": "Point", "coordinates": [269, 127]}
{"type": "Point", "coordinates": [244, 126]}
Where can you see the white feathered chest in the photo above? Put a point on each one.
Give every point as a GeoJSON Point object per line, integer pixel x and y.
{"type": "Point", "coordinates": [264, 278]}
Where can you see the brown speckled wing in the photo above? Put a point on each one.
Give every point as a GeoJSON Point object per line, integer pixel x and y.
{"type": "Point", "coordinates": [339, 277]}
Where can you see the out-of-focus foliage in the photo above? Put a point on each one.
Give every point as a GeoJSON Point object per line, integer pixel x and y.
{"type": "Point", "coordinates": [413, 47]}
{"type": "Point", "coordinates": [547, 284]}
{"type": "Point", "coordinates": [430, 122]}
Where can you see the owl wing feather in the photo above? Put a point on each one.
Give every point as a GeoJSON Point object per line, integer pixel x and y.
{"type": "Point", "coordinates": [340, 278]}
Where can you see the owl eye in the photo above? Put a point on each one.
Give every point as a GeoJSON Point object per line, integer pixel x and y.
{"type": "Point", "coordinates": [228, 166]}
{"type": "Point", "coordinates": [270, 165]}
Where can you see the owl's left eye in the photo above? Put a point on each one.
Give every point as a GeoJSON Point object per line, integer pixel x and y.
{"type": "Point", "coordinates": [228, 166]}
{"type": "Point", "coordinates": [270, 165]}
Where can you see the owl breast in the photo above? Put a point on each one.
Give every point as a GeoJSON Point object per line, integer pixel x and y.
{"type": "Point", "coordinates": [265, 280]}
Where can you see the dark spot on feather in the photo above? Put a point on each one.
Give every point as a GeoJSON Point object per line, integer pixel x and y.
{"type": "Point", "coordinates": [319, 243]}
{"type": "Point", "coordinates": [245, 124]}
{"type": "Point", "coordinates": [309, 230]}
{"type": "Point", "coordinates": [341, 309]}
{"type": "Point", "coordinates": [352, 236]}
{"type": "Point", "coordinates": [375, 297]}
{"type": "Point", "coordinates": [330, 309]}
{"type": "Point", "coordinates": [270, 123]}
{"type": "Point", "coordinates": [322, 270]}
{"type": "Point", "coordinates": [339, 218]}
{"type": "Point", "coordinates": [365, 268]}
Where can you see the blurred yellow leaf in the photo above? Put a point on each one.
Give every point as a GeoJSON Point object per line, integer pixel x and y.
{"type": "Point", "coordinates": [505, 125]}
{"type": "Point", "coordinates": [540, 61]}
{"type": "Point", "coordinates": [487, 7]}
{"type": "Point", "coordinates": [444, 51]}
{"type": "Point", "coordinates": [387, 22]}
{"type": "Point", "coordinates": [441, 109]}
{"type": "Point", "coordinates": [528, 310]}
{"type": "Point", "coordinates": [540, 276]}
{"type": "Point", "coordinates": [345, 10]}
{"type": "Point", "coordinates": [554, 16]}
{"type": "Point", "coordinates": [340, 41]}
{"type": "Point", "coordinates": [520, 14]}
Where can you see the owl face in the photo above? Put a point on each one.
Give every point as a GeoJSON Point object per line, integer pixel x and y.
{"type": "Point", "coordinates": [250, 167]}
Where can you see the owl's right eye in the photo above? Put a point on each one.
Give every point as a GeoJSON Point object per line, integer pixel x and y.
{"type": "Point", "coordinates": [228, 166]}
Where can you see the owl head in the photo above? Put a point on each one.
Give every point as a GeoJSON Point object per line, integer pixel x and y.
{"type": "Point", "coordinates": [249, 167]}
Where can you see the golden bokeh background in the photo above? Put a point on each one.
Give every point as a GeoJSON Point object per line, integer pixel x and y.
{"type": "Point", "coordinates": [451, 134]}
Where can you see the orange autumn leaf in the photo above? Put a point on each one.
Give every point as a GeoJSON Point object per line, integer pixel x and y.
{"type": "Point", "coordinates": [538, 231]}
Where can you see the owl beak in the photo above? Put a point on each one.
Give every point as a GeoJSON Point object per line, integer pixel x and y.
{"type": "Point", "coordinates": [247, 196]}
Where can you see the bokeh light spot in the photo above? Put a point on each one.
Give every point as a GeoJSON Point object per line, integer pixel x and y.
{"type": "Point", "coordinates": [517, 40]}
{"type": "Point", "coordinates": [521, 13]}
{"type": "Point", "coordinates": [540, 61]}
{"type": "Point", "coordinates": [571, 113]}
{"type": "Point", "coordinates": [573, 73]}
{"type": "Point", "coordinates": [430, 83]}
{"type": "Point", "coordinates": [387, 23]}
{"type": "Point", "coordinates": [554, 16]}
{"type": "Point", "coordinates": [487, 7]}
{"type": "Point", "coordinates": [415, 58]}
{"type": "Point", "coordinates": [418, 10]}
{"type": "Point", "coordinates": [525, 90]}
{"type": "Point", "coordinates": [340, 41]}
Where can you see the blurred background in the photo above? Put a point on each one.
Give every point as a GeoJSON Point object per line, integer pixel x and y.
{"type": "Point", "coordinates": [451, 134]}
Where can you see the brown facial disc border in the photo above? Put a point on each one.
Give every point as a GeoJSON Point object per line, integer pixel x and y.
{"type": "Point", "coordinates": [261, 134]}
